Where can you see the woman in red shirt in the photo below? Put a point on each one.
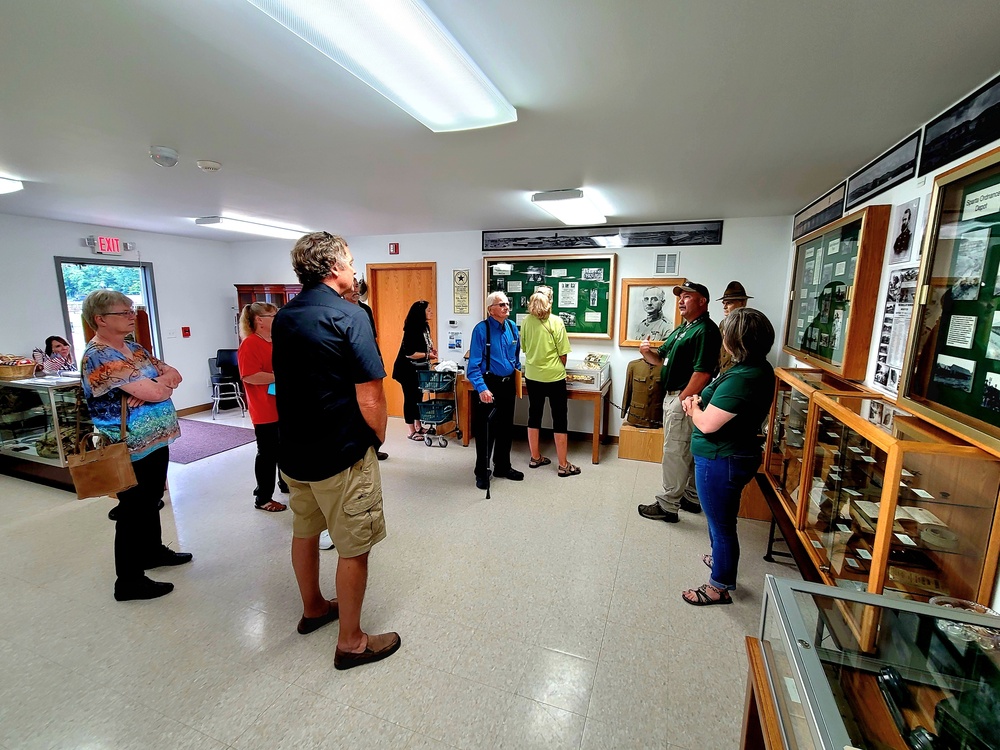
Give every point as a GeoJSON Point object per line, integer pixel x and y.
{"type": "Point", "coordinates": [254, 359]}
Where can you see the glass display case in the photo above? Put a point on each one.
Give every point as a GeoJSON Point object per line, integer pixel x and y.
{"type": "Point", "coordinates": [926, 676]}
{"type": "Point", "coordinates": [835, 281]}
{"type": "Point", "coordinates": [895, 504]}
{"type": "Point", "coordinates": [786, 434]}
{"type": "Point", "coordinates": [42, 419]}
{"type": "Point", "coordinates": [952, 370]}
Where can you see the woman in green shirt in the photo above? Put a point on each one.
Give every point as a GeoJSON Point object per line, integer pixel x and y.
{"type": "Point", "coordinates": [546, 345]}
{"type": "Point", "coordinates": [726, 446]}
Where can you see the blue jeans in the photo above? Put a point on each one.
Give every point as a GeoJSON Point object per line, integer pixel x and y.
{"type": "Point", "coordinates": [720, 483]}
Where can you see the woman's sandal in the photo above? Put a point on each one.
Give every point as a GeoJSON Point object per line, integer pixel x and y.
{"type": "Point", "coordinates": [418, 436]}
{"type": "Point", "coordinates": [536, 462]}
{"type": "Point", "coordinates": [569, 470]}
{"type": "Point", "coordinates": [269, 506]}
{"type": "Point", "coordinates": [707, 559]}
{"type": "Point", "coordinates": [702, 599]}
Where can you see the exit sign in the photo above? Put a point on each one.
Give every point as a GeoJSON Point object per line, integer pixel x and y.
{"type": "Point", "coordinates": [108, 246]}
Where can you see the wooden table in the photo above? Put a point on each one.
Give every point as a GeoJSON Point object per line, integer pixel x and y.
{"type": "Point", "coordinates": [600, 399]}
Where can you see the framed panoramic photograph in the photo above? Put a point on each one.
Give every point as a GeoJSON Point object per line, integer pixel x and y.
{"type": "Point", "coordinates": [896, 165]}
{"type": "Point", "coordinates": [952, 370]}
{"type": "Point", "coordinates": [583, 289]}
{"type": "Point", "coordinates": [970, 124]}
{"type": "Point", "coordinates": [648, 308]}
{"type": "Point", "coordinates": [822, 211]}
{"type": "Point", "coordinates": [605, 236]}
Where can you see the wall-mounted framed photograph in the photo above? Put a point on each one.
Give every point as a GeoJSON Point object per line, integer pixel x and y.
{"type": "Point", "coordinates": [828, 207]}
{"type": "Point", "coordinates": [970, 124]}
{"type": "Point", "coordinates": [605, 237]}
{"type": "Point", "coordinates": [896, 165]}
{"type": "Point", "coordinates": [583, 289]}
{"type": "Point", "coordinates": [648, 308]}
{"type": "Point", "coordinates": [952, 370]}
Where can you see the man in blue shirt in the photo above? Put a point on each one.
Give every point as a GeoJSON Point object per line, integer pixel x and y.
{"type": "Point", "coordinates": [494, 355]}
{"type": "Point", "coordinates": [332, 418]}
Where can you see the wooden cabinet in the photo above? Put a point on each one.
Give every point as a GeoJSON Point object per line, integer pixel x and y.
{"type": "Point", "coordinates": [896, 506]}
{"type": "Point", "coordinates": [835, 285]}
{"type": "Point", "coordinates": [276, 294]}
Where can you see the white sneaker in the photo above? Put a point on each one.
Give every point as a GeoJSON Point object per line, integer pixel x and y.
{"type": "Point", "coordinates": [325, 542]}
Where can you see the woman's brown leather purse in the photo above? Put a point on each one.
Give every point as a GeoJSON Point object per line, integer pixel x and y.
{"type": "Point", "coordinates": [105, 468]}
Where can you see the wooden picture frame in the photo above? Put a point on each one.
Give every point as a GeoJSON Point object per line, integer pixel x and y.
{"type": "Point", "coordinates": [583, 289]}
{"type": "Point", "coordinates": [951, 374]}
{"type": "Point", "coordinates": [632, 318]}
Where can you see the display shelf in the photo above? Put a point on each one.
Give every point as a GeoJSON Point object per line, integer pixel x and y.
{"type": "Point", "coordinates": [835, 282]}
{"type": "Point", "coordinates": [34, 411]}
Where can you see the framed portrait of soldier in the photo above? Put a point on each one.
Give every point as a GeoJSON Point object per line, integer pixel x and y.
{"type": "Point", "coordinates": [648, 308]}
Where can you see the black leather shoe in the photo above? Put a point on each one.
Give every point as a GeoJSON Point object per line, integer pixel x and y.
{"type": "Point", "coordinates": [144, 588]}
{"type": "Point", "coordinates": [166, 556]}
{"type": "Point", "coordinates": [483, 483]}
{"type": "Point", "coordinates": [382, 455]}
{"type": "Point", "coordinates": [654, 512]}
{"type": "Point", "coordinates": [511, 473]}
{"type": "Point", "coordinates": [690, 506]}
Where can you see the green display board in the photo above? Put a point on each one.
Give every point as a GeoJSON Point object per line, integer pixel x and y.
{"type": "Point", "coordinates": [583, 286]}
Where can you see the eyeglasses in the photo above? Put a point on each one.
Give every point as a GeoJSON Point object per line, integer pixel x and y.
{"type": "Point", "coordinates": [129, 313]}
{"type": "Point", "coordinates": [501, 304]}
{"type": "Point", "coordinates": [267, 316]}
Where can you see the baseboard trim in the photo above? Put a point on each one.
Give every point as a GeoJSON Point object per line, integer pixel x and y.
{"type": "Point", "coordinates": [194, 409]}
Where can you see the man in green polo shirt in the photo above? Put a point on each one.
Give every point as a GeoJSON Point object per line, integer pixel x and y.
{"type": "Point", "coordinates": [689, 358]}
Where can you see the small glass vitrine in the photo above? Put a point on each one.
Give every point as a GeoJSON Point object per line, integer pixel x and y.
{"type": "Point", "coordinates": [896, 505]}
{"type": "Point", "coordinates": [786, 435]}
{"type": "Point", "coordinates": [41, 419]}
{"type": "Point", "coordinates": [920, 676]}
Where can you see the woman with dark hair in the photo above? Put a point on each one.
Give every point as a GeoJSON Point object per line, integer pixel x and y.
{"type": "Point", "coordinates": [726, 446]}
{"type": "Point", "coordinates": [254, 359]}
{"type": "Point", "coordinates": [57, 357]}
{"type": "Point", "coordinates": [415, 353]}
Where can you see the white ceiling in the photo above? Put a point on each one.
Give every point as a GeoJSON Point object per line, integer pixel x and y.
{"type": "Point", "coordinates": [672, 109]}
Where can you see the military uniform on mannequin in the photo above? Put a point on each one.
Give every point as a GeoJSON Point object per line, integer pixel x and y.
{"type": "Point", "coordinates": [733, 298]}
{"type": "Point", "coordinates": [642, 400]}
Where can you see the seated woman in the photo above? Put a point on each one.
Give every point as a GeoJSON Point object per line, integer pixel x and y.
{"type": "Point", "coordinates": [57, 357]}
{"type": "Point", "coordinates": [546, 345]}
{"type": "Point", "coordinates": [415, 353]}
{"type": "Point", "coordinates": [727, 418]}
{"type": "Point", "coordinates": [254, 359]}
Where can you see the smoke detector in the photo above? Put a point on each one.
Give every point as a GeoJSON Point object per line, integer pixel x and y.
{"type": "Point", "coordinates": [208, 166]}
{"type": "Point", "coordinates": [163, 155]}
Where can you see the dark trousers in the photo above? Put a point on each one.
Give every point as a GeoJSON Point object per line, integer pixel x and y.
{"type": "Point", "coordinates": [137, 528]}
{"type": "Point", "coordinates": [412, 395]}
{"type": "Point", "coordinates": [265, 465]}
{"type": "Point", "coordinates": [494, 433]}
{"type": "Point", "coordinates": [556, 394]}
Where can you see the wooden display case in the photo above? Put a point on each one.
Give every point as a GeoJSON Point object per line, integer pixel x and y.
{"type": "Point", "coordinates": [276, 294]}
{"type": "Point", "coordinates": [786, 434]}
{"type": "Point", "coordinates": [908, 510]}
{"type": "Point", "coordinates": [834, 291]}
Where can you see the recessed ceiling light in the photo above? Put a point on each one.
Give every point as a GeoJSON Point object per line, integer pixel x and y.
{"type": "Point", "coordinates": [250, 227]}
{"type": "Point", "coordinates": [569, 206]}
{"type": "Point", "coordinates": [8, 185]}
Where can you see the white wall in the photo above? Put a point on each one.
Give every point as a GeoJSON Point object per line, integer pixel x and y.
{"type": "Point", "coordinates": [193, 288]}
{"type": "Point", "coordinates": [753, 251]}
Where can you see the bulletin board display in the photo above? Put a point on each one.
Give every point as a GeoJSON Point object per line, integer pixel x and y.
{"type": "Point", "coordinates": [583, 289]}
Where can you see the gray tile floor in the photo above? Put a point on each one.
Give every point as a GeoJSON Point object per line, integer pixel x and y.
{"type": "Point", "coordinates": [547, 617]}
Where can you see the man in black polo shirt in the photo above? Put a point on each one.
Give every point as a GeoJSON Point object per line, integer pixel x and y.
{"type": "Point", "coordinates": [332, 419]}
{"type": "Point", "coordinates": [690, 358]}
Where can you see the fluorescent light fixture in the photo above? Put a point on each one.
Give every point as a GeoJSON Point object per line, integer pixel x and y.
{"type": "Point", "coordinates": [569, 206]}
{"type": "Point", "coordinates": [250, 227]}
{"type": "Point", "coordinates": [7, 185]}
{"type": "Point", "coordinates": [400, 49]}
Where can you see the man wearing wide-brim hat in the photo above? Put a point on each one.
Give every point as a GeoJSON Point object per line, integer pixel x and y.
{"type": "Point", "coordinates": [733, 298]}
{"type": "Point", "coordinates": [689, 358]}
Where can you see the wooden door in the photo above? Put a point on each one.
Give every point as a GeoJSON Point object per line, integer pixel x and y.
{"type": "Point", "coordinates": [392, 288]}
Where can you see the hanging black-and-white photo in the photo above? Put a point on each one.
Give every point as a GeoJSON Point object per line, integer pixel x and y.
{"type": "Point", "coordinates": [893, 167]}
{"type": "Point", "coordinates": [973, 122]}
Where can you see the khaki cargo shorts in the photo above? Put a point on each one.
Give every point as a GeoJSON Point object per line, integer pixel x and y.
{"type": "Point", "coordinates": [349, 504]}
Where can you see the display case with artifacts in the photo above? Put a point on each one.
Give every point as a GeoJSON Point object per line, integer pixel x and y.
{"type": "Point", "coordinates": [42, 419]}
{"type": "Point", "coordinates": [925, 675]}
{"type": "Point", "coordinates": [786, 433]}
{"type": "Point", "coordinates": [952, 370]}
{"type": "Point", "coordinates": [835, 283]}
{"type": "Point", "coordinates": [897, 507]}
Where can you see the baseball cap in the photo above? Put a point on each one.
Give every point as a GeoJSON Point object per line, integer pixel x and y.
{"type": "Point", "coordinates": [690, 286]}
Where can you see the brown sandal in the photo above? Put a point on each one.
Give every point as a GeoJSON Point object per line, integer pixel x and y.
{"type": "Point", "coordinates": [569, 470]}
{"type": "Point", "coordinates": [534, 463]}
